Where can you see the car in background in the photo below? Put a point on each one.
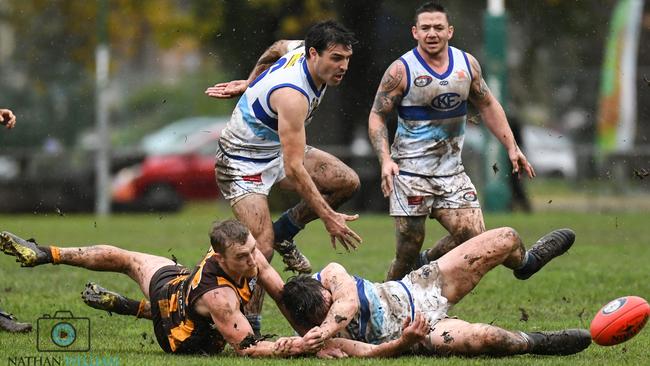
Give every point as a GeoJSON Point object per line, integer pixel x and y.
{"type": "Point", "coordinates": [178, 166]}
{"type": "Point", "coordinates": [551, 153]}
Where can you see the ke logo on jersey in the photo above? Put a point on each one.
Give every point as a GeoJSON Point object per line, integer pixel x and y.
{"type": "Point", "coordinates": [446, 102]}
{"type": "Point", "coordinates": [422, 80]}
{"type": "Point", "coordinates": [255, 179]}
{"type": "Point", "coordinates": [415, 200]}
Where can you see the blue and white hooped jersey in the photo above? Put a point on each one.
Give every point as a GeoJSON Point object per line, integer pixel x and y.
{"type": "Point", "coordinates": [382, 309]}
{"type": "Point", "coordinates": [252, 132]}
{"type": "Point", "coordinates": [432, 115]}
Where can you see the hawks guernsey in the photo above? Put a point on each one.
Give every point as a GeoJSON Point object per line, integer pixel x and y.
{"type": "Point", "coordinates": [432, 115]}
{"type": "Point", "coordinates": [186, 329]}
{"type": "Point", "coordinates": [252, 132]}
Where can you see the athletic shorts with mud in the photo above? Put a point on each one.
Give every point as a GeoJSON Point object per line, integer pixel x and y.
{"type": "Point", "coordinates": [418, 195]}
{"type": "Point", "coordinates": [423, 294]}
{"type": "Point", "coordinates": [238, 176]}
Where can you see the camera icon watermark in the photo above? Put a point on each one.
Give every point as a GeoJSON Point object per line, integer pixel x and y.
{"type": "Point", "coordinates": [62, 332]}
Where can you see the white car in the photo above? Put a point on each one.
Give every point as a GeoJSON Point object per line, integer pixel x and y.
{"type": "Point", "coordinates": [551, 153]}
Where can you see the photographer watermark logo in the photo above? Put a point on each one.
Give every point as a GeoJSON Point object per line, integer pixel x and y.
{"type": "Point", "coordinates": [62, 332]}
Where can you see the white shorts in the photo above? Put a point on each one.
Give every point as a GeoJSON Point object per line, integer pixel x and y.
{"type": "Point", "coordinates": [238, 177]}
{"type": "Point", "coordinates": [419, 291]}
{"type": "Point", "coordinates": [415, 195]}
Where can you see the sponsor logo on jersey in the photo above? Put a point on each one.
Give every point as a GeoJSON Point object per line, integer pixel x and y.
{"type": "Point", "coordinates": [422, 80]}
{"type": "Point", "coordinates": [470, 196]}
{"type": "Point", "coordinates": [415, 200]}
{"type": "Point", "coordinates": [255, 179]}
{"type": "Point", "coordinates": [446, 101]}
{"type": "Point", "coordinates": [444, 82]}
{"type": "Point", "coordinates": [461, 75]}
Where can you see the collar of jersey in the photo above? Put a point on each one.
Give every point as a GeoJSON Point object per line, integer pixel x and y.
{"type": "Point", "coordinates": [310, 80]}
{"type": "Point", "coordinates": [430, 70]}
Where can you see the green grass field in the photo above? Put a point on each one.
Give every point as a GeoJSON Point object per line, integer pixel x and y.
{"type": "Point", "coordinates": [610, 259]}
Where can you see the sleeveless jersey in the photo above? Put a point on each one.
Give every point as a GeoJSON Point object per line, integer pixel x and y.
{"type": "Point", "coordinates": [432, 115]}
{"type": "Point", "coordinates": [252, 132]}
{"type": "Point", "coordinates": [183, 325]}
{"type": "Point", "coordinates": [382, 309]}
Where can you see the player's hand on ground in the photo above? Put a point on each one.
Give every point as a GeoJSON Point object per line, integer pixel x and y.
{"type": "Point", "coordinates": [227, 90]}
{"type": "Point", "coordinates": [415, 331]}
{"type": "Point", "coordinates": [519, 163]}
{"type": "Point", "coordinates": [313, 341]}
{"type": "Point", "coordinates": [331, 352]}
{"type": "Point", "coordinates": [388, 171]}
{"type": "Point", "coordinates": [339, 231]}
{"type": "Point", "coordinates": [290, 345]}
{"type": "Point", "coordinates": [7, 118]}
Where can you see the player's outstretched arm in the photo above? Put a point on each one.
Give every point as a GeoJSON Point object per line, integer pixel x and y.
{"type": "Point", "coordinates": [389, 94]}
{"type": "Point", "coordinates": [7, 118]}
{"type": "Point", "coordinates": [292, 110]}
{"type": "Point", "coordinates": [223, 306]}
{"type": "Point", "coordinates": [412, 332]}
{"type": "Point", "coordinates": [236, 88]}
{"type": "Point", "coordinates": [495, 119]}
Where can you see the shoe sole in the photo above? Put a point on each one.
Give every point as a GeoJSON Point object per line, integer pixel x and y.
{"type": "Point", "coordinates": [98, 297]}
{"type": "Point", "coordinates": [25, 255]}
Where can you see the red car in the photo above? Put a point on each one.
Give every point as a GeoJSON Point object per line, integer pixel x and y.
{"type": "Point", "coordinates": [184, 170]}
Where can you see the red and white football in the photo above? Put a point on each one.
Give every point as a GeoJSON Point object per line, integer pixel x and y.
{"type": "Point", "coordinates": [619, 320]}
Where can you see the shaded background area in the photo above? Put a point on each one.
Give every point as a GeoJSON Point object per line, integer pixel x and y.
{"type": "Point", "coordinates": [165, 53]}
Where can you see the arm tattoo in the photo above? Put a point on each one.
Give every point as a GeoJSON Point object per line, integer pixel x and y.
{"type": "Point", "coordinates": [390, 82]}
{"type": "Point", "coordinates": [388, 96]}
{"type": "Point", "coordinates": [479, 90]}
{"type": "Point", "coordinates": [379, 140]}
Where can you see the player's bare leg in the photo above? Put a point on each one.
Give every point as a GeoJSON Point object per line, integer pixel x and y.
{"type": "Point", "coordinates": [462, 225]}
{"type": "Point", "coordinates": [463, 267]}
{"type": "Point", "coordinates": [139, 266]}
{"type": "Point", "coordinates": [458, 337]}
{"type": "Point", "coordinates": [100, 298]}
{"type": "Point", "coordinates": [334, 180]}
{"type": "Point", "coordinates": [409, 234]}
{"type": "Point", "coordinates": [253, 211]}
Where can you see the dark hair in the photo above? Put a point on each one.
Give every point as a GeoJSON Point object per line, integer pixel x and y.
{"type": "Point", "coordinates": [430, 7]}
{"type": "Point", "coordinates": [302, 296]}
{"type": "Point", "coordinates": [325, 34]}
{"type": "Point", "coordinates": [225, 233]}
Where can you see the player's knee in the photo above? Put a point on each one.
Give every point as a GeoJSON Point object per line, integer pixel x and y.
{"type": "Point", "coordinates": [348, 182]}
{"type": "Point", "coordinates": [506, 239]}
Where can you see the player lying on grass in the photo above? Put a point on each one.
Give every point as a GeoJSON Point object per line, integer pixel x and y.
{"type": "Point", "coordinates": [350, 307]}
{"type": "Point", "coordinates": [198, 311]}
{"type": "Point", "coordinates": [374, 311]}
{"type": "Point", "coordinates": [7, 321]}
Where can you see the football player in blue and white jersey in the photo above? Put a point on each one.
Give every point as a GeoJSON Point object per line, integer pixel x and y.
{"type": "Point", "coordinates": [264, 144]}
{"type": "Point", "coordinates": [422, 172]}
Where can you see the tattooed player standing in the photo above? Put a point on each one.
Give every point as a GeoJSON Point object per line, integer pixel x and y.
{"type": "Point", "coordinates": [423, 173]}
